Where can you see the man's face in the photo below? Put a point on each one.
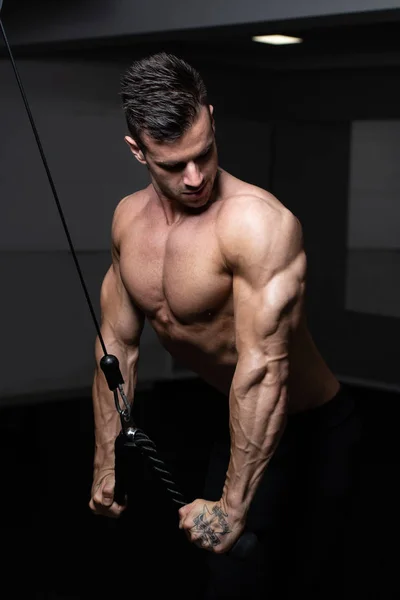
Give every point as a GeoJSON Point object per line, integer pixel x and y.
{"type": "Point", "coordinates": [184, 171]}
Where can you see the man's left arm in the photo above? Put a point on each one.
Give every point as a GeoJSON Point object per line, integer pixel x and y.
{"type": "Point", "coordinates": [264, 251]}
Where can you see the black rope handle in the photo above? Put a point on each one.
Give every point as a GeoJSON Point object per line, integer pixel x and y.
{"type": "Point", "coordinates": [148, 448]}
{"type": "Point", "coordinates": [244, 546]}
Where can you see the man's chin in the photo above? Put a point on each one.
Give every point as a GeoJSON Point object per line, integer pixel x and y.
{"type": "Point", "coordinates": [197, 201]}
{"type": "Point", "coordinates": [200, 197]}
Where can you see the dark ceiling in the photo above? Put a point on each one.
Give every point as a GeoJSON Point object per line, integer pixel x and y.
{"type": "Point", "coordinates": [361, 39]}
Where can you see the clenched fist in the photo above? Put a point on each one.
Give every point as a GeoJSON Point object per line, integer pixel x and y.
{"type": "Point", "coordinates": [102, 500]}
{"type": "Point", "coordinates": [208, 525]}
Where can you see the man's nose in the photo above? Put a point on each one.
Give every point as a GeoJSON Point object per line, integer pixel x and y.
{"type": "Point", "coordinates": [193, 177]}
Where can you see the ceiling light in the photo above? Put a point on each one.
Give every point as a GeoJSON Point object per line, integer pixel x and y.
{"type": "Point", "coordinates": [277, 40]}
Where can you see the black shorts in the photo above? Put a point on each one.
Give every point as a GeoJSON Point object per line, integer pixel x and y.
{"type": "Point", "coordinates": [301, 511]}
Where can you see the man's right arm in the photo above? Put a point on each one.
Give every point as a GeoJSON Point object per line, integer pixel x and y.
{"type": "Point", "coordinates": [121, 328]}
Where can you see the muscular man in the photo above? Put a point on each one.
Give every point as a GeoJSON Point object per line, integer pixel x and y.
{"type": "Point", "coordinates": [217, 267]}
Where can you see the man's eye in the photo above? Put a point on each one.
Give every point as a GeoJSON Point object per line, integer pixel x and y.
{"type": "Point", "coordinates": [174, 168]}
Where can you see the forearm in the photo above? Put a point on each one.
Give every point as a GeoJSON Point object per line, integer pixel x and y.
{"type": "Point", "coordinates": [106, 417]}
{"type": "Point", "coordinates": [257, 419]}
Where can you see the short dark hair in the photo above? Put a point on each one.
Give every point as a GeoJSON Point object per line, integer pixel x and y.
{"type": "Point", "coordinates": [161, 96]}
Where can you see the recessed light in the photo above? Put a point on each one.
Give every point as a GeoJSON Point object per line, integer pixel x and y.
{"type": "Point", "coordinates": [277, 40]}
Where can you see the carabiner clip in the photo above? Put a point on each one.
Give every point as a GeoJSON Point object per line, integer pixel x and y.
{"type": "Point", "coordinates": [124, 413]}
{"type": "Point", "coordinates": [110, 367]}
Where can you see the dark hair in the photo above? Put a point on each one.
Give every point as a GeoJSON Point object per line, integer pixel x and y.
{"type": "Point", "coordinates": [161, 96]}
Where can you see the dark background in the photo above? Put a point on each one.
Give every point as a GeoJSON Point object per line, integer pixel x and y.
{"type": "Point", "coordinates": [285, 119]}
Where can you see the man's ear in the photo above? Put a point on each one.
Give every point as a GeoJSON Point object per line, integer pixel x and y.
{"type": "Point", "coordinates": [134, 148]}
{"type": "Point", "coordinates": [211, 109]}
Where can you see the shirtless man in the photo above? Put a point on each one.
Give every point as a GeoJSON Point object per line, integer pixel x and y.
{"type": "Point", "coordinates": [217, 267]}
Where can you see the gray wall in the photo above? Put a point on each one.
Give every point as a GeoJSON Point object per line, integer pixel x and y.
{"type": "Point", "coordinates": [373, 237]}
{"type": "Point", "coordinates": [76, 109]}
{"type": "Point", "coordinates": [91, 19]}
{"type": "Point", "coordinates": [374, 195]}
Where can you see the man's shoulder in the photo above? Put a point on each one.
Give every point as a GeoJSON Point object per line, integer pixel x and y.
{"type": "Point", "coordinates": [247, 204]}
{"type": "Point", "coordinates": [237, 194]}
{"type": "Point", "coordinates": [132, 204]}
{"type": "Point", "coordinates": [126, 211]}
{"type": "Point", "coordinates": [251, 219]}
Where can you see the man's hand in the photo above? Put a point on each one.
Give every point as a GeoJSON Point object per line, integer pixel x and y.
{"type": "Point", "coordinates": [102, 500]}
{"type": "Point", "coordinates": [208, 525]}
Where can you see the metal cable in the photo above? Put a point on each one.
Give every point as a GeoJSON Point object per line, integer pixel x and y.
{"type": "Point", "coordinates": [53, 189]}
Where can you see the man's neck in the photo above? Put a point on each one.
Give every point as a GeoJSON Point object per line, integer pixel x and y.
{"type": "Point", "coordinates": [174, 211]}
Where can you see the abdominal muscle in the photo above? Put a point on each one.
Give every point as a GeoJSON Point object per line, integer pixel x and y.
{"type": "Point", "coordinates": [209, 351]}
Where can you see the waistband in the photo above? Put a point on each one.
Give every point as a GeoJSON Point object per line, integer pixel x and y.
{"type": "Point", "coordinates": [333, 412]}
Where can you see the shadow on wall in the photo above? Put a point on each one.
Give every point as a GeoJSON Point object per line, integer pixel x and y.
{"type": "Point", "coordinates": [48, 333]}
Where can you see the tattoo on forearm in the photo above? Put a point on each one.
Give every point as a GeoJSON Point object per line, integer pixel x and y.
{"type": "Point", "coordinates": [211, 525]}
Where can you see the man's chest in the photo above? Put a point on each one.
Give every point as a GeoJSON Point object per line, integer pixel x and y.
{"type": "Point", "coordinates": [176, 274]}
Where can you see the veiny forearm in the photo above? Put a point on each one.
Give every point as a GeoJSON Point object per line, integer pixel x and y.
{"type": "Point", "coordinates": [258, 402]}
{"type": "Point", "coordinates": [106, 418]}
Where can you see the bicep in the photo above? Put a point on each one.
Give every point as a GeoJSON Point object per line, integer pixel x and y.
{"type": "Point", "coordinates": [266, 313]}
{"type": "Point", "coordinates": [269, 272]}
{"type": "Point", "coordinates": [120, 318]}
{"type": "Point", "coordinates": [265, 317]}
